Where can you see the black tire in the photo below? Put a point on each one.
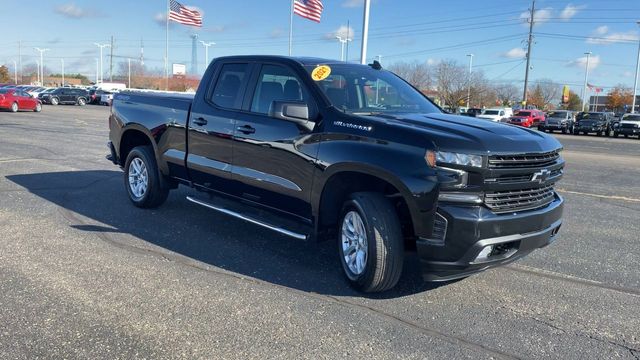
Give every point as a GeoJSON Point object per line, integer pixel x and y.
{"type": "Point", "coordinates": [385, 247]}
{"type": "Point", "coordinates": [564, 130]}
{"type": "Point", "coordinates": [157, 189]}
{"type": "Point", "coordinates": [615, 134]}
{"type": "Point", "coordinates": [599, 133]}
{"type": "Point", "coordinates": [14, 107]}
{"type": "Point", "coordinates": [38, 107]}
{"type": "Point", "coordinates": [54, 101]}
{"type": "Point", "coordinates": [81, 101]}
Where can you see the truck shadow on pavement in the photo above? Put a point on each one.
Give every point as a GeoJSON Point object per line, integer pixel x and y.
{"type": "Point", "coordinates": [96, 202]}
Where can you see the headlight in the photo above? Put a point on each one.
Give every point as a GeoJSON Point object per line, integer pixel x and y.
{"type": "Point", "coordinates": [458, 159]}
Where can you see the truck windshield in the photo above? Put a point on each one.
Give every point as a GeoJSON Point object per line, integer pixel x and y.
{"type": "Point", "coordinates": [558, 114]}
{"type": "Point", "coordinates": [362, 89]}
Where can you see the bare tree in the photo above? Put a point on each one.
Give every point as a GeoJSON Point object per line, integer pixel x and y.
{"type": "Point", "coordinates": [506, 94]}
{"type": "Point", "coordinates": [545, 95]}
{"type": "Point", "coordinates": [453, 82]}
{"type": "Point", "coordinates": [415, 73]}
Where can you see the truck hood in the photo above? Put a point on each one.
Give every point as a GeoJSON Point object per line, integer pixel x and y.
{"type": "Point", "coordinates": [469, 135]}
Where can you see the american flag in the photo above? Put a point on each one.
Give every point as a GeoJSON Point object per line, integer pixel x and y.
{"type": "Point", "coordinates": [308, 9]}
{"type": "Point", "coordinates": [595, 88]}
{"type": "Point", "coordinates": [182, 15]}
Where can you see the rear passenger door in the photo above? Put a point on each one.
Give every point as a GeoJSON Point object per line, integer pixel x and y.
{"type": "Point", "coordinates": [274, 159]}
{"type": "Point", "coordinates": [211, 127]}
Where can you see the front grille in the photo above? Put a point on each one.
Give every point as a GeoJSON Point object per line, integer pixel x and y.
{"type": "Point", "coordinates": [515, 179]}
{"type": "Point", "coordinates": [523, 160]}
{"type": "Point", "coordinates": [519, 200]}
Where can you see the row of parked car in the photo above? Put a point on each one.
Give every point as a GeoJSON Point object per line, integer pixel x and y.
{"type": "Point", "coordinates": [565, 121]}
{"type": "Point", "coordinates": [26, 97]}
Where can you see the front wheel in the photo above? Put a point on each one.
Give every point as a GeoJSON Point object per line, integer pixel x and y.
{"type": "Point", "coordinates": [14, 107]}
{"type": "Point", "coordinates": [38, 107]}
{"type": "Point", "coordinates": [54, 101]}
{"type": "Point", "coordinates": [82, 102]}
{"type": "Point", "coordinates": [144, 183]}
{"type": "Point", "coordinates": [371, 246]}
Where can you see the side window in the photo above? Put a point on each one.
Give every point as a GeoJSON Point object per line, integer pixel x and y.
{"type": "Point", "coordinates": [226, 94]}
{"type": "Point", "coordinates": [276, 83]}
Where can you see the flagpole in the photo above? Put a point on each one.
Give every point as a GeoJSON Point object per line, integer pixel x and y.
{"type": "Point", "coordinates": [365, 32]}
{"type": "Point", "coordinates": [166, 50]}
{"type": "Point", "coordinates": [291, 27]}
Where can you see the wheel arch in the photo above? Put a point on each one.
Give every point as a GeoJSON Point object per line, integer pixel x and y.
{"type": "Point", "coordinates": [132, 136]}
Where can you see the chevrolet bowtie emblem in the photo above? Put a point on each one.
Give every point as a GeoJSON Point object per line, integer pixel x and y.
{"type": "Point", "coordinates": [541, 176]}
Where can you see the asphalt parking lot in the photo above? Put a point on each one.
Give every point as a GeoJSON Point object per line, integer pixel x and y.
{"type": "Point", "coordinates": [84, 274]}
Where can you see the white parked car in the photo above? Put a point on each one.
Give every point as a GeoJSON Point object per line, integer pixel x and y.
{"type": "Point", "coordinates": [497, 114]}
{"type": "Point", "coordinates": [106, 98]}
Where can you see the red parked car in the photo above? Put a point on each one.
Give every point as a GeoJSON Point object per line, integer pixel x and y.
{"type": "Point", "coordinates": [18, 99]}
{"type": "Point", "coordinates": [527, 118]}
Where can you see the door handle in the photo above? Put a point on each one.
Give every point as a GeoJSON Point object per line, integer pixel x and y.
{"type": "Point", "coordinates": [200, 121]}
{"type": "Point", "coordinates": [247, 129]}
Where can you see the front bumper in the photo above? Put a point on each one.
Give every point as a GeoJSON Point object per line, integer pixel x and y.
{"type": "Point", "coordinates": [553, 126]}
{"type": "Point", "coordinates": [470, 229]}
{"type": "Point", "coordinates": [628, 131]}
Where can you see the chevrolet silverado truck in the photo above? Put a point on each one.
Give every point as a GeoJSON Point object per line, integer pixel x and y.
{"type": "Point", "coordinates": [320, 150]}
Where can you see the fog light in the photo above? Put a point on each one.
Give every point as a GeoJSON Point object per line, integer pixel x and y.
{"type": "Point", "coordinates": [484, 254]}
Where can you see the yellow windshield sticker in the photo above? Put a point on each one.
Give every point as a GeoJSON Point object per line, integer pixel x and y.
{"type": "Point", "coordinates": [321, 72]}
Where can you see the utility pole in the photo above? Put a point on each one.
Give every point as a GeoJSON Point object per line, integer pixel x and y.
{"type": "Point", "coordinates": [141, 53]}
{"type": "Point", "coordinates": [20, 58]}
{"type": "Point", "coordinates": [586, 78]}
{"type": "Point", "coordinates": [529, 46]}
{"type": "Point", "coordinates": [38, 75]}
{"type": "Point", "coordinates": [101, 69]}
{"type": "Point", "coordinates": [206, 52]}
{"type": "Point", "coordinates": [111, 61]}
{"type": "Point", "coordinates": [365, 32]}
{"type": "Point", "coordinates": [42, 51]}
{"type": "Point", "coordinates": [62, 61]}
{"type": "Point", "coordinates": [469, 81]}
{"type": "Point", "coordinates": [635, 81]}
{"type": "Point", "coordinates": [343, 41]}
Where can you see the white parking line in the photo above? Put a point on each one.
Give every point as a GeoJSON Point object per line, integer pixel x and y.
{"type": "Point", "coordinates": [611, 197]}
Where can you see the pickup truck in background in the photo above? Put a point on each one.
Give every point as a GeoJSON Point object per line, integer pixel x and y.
{"type": "Point", "coordinates": [317, 149]}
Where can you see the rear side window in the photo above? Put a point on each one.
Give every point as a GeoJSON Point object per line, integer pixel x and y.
{"type": "Point", "coordinates": [227, 94]}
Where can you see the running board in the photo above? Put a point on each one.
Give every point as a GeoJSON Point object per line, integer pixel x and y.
{"type": "Point", "coordinates": [247, 218]}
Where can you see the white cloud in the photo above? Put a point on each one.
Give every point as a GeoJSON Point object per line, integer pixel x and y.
{"type": "Point", "coordinates": [627, 74]}
{"type": "Point", "coordinates": [569, 12]}
{"type": "Point", "coordinates": [515, 53]}
{"type": "Point", "coordinates": [601, 30]}
{"type": "Point", "coordinates": [352, 3]}
{"type": "Point", "coordinates": [342, 31]}
{"type": "Point", "coordinates": [603, 37]}
{"type": "Point", "coordinates": [72, 11]}
{"type": "Point", "coordinates": [432, 62]}
{"type": "Point", "coordinates": [581, 62]}
{"type": "Point", "coordinates": [541, 16]}
{"type": "Point", "coordinates": [276, 33]}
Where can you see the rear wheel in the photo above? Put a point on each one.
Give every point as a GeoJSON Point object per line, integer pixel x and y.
{"type": "Point", "coordinates": [38, 107]}
{"type": "Point", "coordinates": [144, 183]}
{"type": "Point", "coordinates": [54, 101]}
{"type": "Point", "coordinates": [371, 246]}
{"type": "Point", "coordinates": [14, 107]}
{"type": "Point", "coordinates": [82, 102]}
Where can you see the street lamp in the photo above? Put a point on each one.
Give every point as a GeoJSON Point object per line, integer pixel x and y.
{"type": "Point", "coordinates": [15, 69]}
{"type": "Point", "coordinates": [635, 81]}
{"type": "Point", "coordinates": [586, 77]}
{"type": "Point", "coordinates": [42, 51]}
{"type": "Point", "coordinates": [343, 41]}
{"type": "Point", "coordinates": [206, 52]}
{"type": "Point", "coordinates": [469, 80]}
{"type": "Point", "coordinates": [101, 46]}
{"type": "Point", "coordinates": [62, 61]}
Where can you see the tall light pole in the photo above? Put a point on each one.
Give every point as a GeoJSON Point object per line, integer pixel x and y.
{"type": "Point", "coordinates": [129, 85]}
{"type": "Point", "coordinates": [635, 81]}
{"type": "Point", "coordinates": [97, 71]}
{"type": "Point", "coordinates": [206, 52]}
{"type": "Point", "coordinates": [586, 78]}
{"type": "Point", "coordinates": [365, 32]}
{"type": "Point", "coordinates": [101, 46]}
{"type": "Point", "coordinates": [15, 69]}
{"type": "Point", "coordinates": [469, 80]}
{"type": "Point", "coordinates": [38, 75]}
{"type": "Point", "coordinates": [343, 41]}
{"type": "Point", "coordinates": [62, 61]}
{"type": "Point", "coordinates": [42, 51]}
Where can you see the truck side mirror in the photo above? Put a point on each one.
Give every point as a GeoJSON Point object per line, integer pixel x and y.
{"type": "Point", "coordinates": [294, 111]}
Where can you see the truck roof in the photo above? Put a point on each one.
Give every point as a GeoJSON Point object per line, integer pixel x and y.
{"type": "Point", "coordinates": [299, 59]}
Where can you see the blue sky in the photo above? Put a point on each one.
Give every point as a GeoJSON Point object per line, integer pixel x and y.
{"type": "Point", "coordinates": [424, 30]}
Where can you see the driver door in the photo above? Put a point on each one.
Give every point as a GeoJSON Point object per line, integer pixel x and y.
{"type": "Point", "coordinates": [274, 159]}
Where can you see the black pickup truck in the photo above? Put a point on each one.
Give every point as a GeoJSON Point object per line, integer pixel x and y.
{"type": "Point", "coordinates": [317, 149]}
